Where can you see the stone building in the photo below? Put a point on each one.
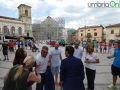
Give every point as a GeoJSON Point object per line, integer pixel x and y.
{"type": "Point", "coordinates": [65, 34]}
{"type": "Point", "coordinates": [90, 33]}
{"type": "Point", "coordinates": [21, 26]}
{"type": "Point", "coordinates": [72, 37]}
{"type": "Point", "coordinates": [36, 31]}
{"type": "Point", "coordinates": [113, 32]}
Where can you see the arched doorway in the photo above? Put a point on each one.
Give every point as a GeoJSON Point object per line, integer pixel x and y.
{"type": "Point", "coordinates": [13, 30]}
{"type": "Point", "coordinates": [20, 31]}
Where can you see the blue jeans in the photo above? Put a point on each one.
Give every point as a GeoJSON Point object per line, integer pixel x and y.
{"type": "Point", "coordinates": [39, 86]}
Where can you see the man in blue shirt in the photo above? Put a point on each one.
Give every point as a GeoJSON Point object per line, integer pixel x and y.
{"type": "Point", "coordinates": [78, 52]}
{"type": "Point", "coordinates": [115, 66]}
{"type": "Point", "coordinates": [54, 59]}
{"type": "Point", "coordinates": [26, 44]}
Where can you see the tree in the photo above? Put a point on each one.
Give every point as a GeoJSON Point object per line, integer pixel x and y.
{"type": "Point", "coordinates": [73, 32]}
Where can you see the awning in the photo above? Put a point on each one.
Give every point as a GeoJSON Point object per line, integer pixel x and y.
{"type": "Point", "coordinates": [11, 37]}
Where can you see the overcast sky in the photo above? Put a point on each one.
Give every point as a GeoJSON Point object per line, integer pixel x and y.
{"type": "Point", "coordinates": [75, 12]}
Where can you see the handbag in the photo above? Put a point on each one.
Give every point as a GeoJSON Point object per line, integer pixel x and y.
{"type": "Point", "coordinates": [30, 82]}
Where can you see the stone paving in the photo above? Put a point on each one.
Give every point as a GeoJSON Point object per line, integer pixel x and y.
{"type": "Point", "coordinates": [103, 69]}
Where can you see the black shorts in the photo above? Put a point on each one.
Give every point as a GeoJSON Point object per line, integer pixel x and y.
{"type": "Point", "coordinates": [5, 52]}
{"type": "Point", "coordinates": [25, 45]}
{"type": "Point", "coordinates": [30, 45]}
{"type": "Point", "coordinates": [11, 48]}
{"type": "Point", "coordinates": [115, 70]}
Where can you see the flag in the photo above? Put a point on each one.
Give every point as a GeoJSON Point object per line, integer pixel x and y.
{"type": "Point", "coordinates": [13, 32]}
{"type": "Point", "coordinates": [8, 31]}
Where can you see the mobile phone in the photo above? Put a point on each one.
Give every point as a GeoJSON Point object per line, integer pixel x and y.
{"type": "Point", "coordinates": [87, 59]}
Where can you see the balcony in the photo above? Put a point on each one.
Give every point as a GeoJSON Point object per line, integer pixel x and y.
{"type": "Point", "coordinates": [117, 35]}
{"type": "Point", "coordinates": [88, 36]}
{"type": "Point", "coordinates": [11, 34]}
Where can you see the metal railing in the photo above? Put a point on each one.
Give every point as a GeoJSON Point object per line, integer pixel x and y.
{"type": "Point", "coordinates": [89, 36]}
{"type": "Point", "coordinates": [11, 34]}
{"type": "Point", "coordinates": [117, 35]}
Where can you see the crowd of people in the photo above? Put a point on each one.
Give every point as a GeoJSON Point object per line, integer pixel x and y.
{"type": "Point", "coordinates": [21, 76]}
{"type": "Point", "coordinates": [100, 45]}
{"type": "Point", "coordinates": [11, 46]}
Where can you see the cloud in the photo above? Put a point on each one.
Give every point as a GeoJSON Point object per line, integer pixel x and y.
{"type": "Point", "coordinates": [76, 12]}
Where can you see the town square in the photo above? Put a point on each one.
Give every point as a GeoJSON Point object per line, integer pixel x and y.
{"type": "Point", "coordinates": [103, 69]}
{"type": "Point", "coordinates": [59, 45]}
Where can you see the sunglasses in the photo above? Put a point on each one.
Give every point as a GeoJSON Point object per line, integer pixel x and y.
{"type": "Point", "coordinates": [44, 52]}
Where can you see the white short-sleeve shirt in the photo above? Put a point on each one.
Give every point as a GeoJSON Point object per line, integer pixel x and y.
{"type": "Point", "coordinates": [92, 57]}
{"type": "Point", "coordinates": [42, 62]}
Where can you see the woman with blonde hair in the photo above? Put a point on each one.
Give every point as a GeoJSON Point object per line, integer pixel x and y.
{"type": "Point", "coordinates": [18, 76]}
{"type": "Point", "coordinates": [90, 59]}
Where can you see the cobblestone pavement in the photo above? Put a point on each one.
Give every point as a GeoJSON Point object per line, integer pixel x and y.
{"type": "Point", "coordinates": [103, 69]}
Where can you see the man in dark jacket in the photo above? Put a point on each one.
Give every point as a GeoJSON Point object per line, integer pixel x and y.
{"type": "Point", "coordinates": [71, 71]}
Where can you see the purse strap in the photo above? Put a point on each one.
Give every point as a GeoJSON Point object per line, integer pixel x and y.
{"type": "Point", "coordinates": [17, 85]}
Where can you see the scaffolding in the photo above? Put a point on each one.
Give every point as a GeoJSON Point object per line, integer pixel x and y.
{"type": "Point", "coordinates": [49, 28]}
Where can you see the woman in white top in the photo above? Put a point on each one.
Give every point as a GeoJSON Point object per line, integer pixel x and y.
{"type": "Point", "coordinates": [90, 59]}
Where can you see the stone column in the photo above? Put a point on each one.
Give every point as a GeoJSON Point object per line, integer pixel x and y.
{"type": "Point", "coordinates": [16, 30]}
{"type": "Point", "coordinates": [9, 29]}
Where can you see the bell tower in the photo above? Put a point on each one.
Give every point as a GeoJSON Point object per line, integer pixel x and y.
{"type": "Point", "coordinates": [25, 15]}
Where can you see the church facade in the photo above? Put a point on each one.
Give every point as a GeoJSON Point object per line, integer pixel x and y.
{"type": "Point", "coordinates": [21, 26]}
{"type": "Point", "coordinates": [49, 29]}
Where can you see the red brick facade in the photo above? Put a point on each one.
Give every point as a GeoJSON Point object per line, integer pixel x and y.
{"type": "Point", "coordinates": [71, 38]}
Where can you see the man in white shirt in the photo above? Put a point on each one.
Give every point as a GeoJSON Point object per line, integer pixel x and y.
{"type": "Point", "coordinates": [54, 58]}
{"type": "Point", "coordinates": [78, 52]}
{"type": "Point", "coordinates": [41, 66]}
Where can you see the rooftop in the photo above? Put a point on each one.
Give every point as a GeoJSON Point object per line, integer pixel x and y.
{"type": "Point", "coordinates": [86, 27]}
{"type": "Point", "coordinates": [10, 18]}
{"type": "Point", "coordinates": [114, 25]}
{"type": "Point", "coordinates": [23, 5]}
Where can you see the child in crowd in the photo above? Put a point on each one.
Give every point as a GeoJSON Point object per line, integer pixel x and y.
{"type": "Point", "coordinates": [89, 43]}
{"type": "Point", "coordinates": [96, 45]}
{"type": "Point", "coordinates": [109, 47]}
{"type": "Point", "coordinates": [12, 46]}
{"type": "Point", "coordinates": [101, 44]}
{"type": "Point", "coordinates": [105, 48]}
